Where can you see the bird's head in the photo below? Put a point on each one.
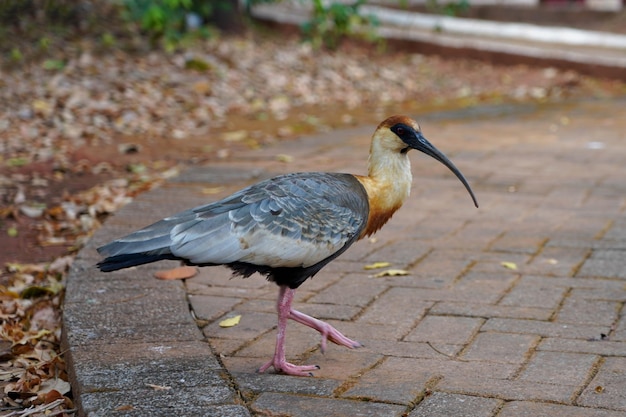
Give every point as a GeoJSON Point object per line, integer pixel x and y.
{"type": "Point", "coordinates": [401, 134]}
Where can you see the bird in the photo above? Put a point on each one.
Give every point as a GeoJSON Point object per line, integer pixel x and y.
{"type": "Point", "coordinates": [289, 227]}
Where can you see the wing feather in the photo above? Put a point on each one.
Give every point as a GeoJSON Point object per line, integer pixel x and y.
{"type": "Point", "coordinates": [294, 220]}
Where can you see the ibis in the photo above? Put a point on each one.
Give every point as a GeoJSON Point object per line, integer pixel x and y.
{"type": "Point", "coordinates": [288, 227]}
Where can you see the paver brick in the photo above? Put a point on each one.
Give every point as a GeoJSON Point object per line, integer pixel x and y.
{"type": "Point", "coordinates": [578, 310]}
{"type": "Point", "coordinates": [353, 290]}
{"type": "Point", "coordinates": [491, 263]}
{"type": "Point", "coordinates": [399, 309]}
{"type": "Point", "coordinates": [533, 292]}
{"type": "Point", "coordinates": [490, 311]}
{"type": "Point", "coordinates": [485, 287]}
{"type": "Point", "coordinates": [443, 404]}
{"type": "Point", "coordinates": [329, 311]}
{"type": "Point", "coordinates": [535, 409]}
{"type": "Point", "coordinates": [607, 263]}
{"type": "Point", "coordinates": [545, 328]}
{"type": "Point", "coordinates": [207, 307]}
{"type": "Point", "coordinates": [397, 381]}
{"type": "Point", "coordinates": [595, 346]}
{"type": "Point", "coordinates": [608, 387]}
{"type": "Point", "coordinates": [304, 406]}
{"type": "Point", "coordinates": [400, 380]}
{"type": "Point", "coordinates": [506, 389]}
{"type": "Point", "coordinates": [437, 270]}
{"type": "Point", "coordinates": [400, 254]}
{"type": "Point", "coordinates": [500, 347]}
{"type": "Point", "coordinates": [251, 326]}
{"type": "Point", "coordinates": [409, 349]}
{"type": "Point", "coordinates": [559, 368]}
{"type": "Point", "coordinates": [445, 330]}
{"type": "Point", "coordinates": [253, 384]}
{"type": "Point", "coordinates": [514, 241]}
{"type": "Point", "coordinates": [196, 401]}
{"type": "Point", "coordinates": [478, 287]}
{"type": "Point", "coordinates": [477, 234]}
{"type": "Point", "coordinates": [557, 261]}
{"type": "Point", "coordinates": [609, 290]}
{"type": "Point", "coordinates": [340, 363]}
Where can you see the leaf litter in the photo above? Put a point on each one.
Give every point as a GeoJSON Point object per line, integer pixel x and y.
{"type": "Point", "coordinates": [33, 375]}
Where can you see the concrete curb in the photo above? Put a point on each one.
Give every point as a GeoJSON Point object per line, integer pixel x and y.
{"type": "Point", "coordinates": [591, 52]}
{"type": "Point", "coordinates": [119, 361]}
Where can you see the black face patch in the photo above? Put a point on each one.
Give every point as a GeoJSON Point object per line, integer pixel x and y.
{"type": "Point", "coordinates": [404, 132]}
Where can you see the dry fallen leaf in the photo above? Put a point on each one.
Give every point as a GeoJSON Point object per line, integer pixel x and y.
{"type": "Point", "coordinates": [509, 265]}
{"type": "Point", "coordinates": [235, 136]}
{"type": "Point", "coordinates": [281, 157]}
{"type": "Point", "coordinates": [59, 385]}
{"type": "Point", "coordinates": [126, 407]}
{"type": "Point", "coordinates": [212, 190]}
{"type": "Point", "coordinates": [376, 265]}
{"type": "Point", "coordinates": [231, 321]}
{"type": "Point", "coordinates": [182, 272]}
{"type": "Point", "coordinates": [392, 273]}
{"type": "Point", "coordinates": [158, 387]}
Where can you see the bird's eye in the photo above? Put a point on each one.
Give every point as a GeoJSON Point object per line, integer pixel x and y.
{"type": "Point", "coordinates": [400, 131]}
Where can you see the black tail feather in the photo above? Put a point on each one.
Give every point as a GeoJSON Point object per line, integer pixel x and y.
{"type": "Point", "coordinates": [113, 263]}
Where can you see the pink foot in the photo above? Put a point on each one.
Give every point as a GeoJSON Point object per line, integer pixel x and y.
{"type": "Point", "coordinates": [282, 366]}
{"type": "Point", "coordinates": [327, 331]}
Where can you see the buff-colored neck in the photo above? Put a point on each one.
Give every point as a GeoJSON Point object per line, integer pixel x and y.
{"type": "Point", "coordinates": [388, 181]}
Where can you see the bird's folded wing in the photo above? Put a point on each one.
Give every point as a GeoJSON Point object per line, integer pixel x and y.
{"type": "Point", "coordinates": [294, 220]}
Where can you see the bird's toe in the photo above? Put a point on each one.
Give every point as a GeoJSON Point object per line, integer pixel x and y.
{"type": "Point", "coordinates": [287, 368]}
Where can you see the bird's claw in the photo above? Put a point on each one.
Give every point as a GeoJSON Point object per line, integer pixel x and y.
{"type": "Point", "coordinates": [284, 367]}
{"type": "Point", "coordinates": [327, 331]}
{"type": "Point", "coordinates": [330, 333]}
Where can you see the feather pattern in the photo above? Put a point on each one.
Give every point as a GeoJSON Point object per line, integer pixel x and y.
{"type": "Point", "coordinates": [296, 221]}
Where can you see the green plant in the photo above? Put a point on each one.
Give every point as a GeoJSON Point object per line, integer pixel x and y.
{"type": "Point", "coordinates": [107, 39]}
{"type": "Point", "coordinates": [44, 43]}
{"type": "Point", "coordinates": [330, 24]}
{"type": "Point", "coordinates": [16, 55]}
{"type": "Point", "coordinates": [452, 8]}
{"type": "Point", "coordinates": [167, 20]}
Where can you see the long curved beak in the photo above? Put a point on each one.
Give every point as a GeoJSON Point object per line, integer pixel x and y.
{"type": "Point", "coordinates": [421, 144]}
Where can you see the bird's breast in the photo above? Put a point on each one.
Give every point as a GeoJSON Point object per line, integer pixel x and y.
{"type": "Point", "coordinates": [384, 199]}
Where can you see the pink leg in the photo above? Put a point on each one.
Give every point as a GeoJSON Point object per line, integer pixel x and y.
{"type": "Point", "coordinates": [279, 362]}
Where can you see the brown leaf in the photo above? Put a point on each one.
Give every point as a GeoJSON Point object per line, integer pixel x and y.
{"type": "Point", "coordinates": [51, 396]}
{"type": "Point", "coordinates": [182, 272]}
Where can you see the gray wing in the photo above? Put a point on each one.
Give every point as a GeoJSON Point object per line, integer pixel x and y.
{"type": "Point", "coordinates": [294, 220]}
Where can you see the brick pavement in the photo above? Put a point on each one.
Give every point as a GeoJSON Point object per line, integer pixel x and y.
{"type": "Point", "coordinates": [462, 335]}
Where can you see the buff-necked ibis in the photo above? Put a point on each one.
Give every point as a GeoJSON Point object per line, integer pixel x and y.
{"type": "Point", "coordinates": [288, 227]}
